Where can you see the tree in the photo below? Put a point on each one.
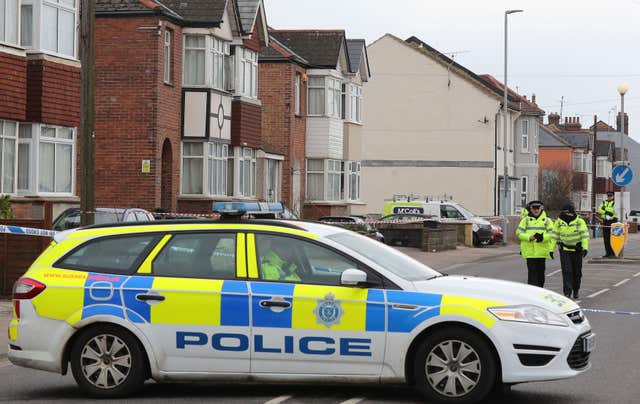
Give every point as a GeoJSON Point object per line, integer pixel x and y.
{"type": "Point", "coordinates": [5, 208]}
{"type": "Point", "coordinates": [556, 185]}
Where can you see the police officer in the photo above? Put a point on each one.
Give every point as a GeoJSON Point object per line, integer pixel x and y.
{"type": "Point", "coordinates": [571, 234]}
{"type": "Point", "coordinates": [277, 263]}
{"type": "Point", "coordinates": [608, 216]}
{"type": "Point", "coordinates": [535, 231]}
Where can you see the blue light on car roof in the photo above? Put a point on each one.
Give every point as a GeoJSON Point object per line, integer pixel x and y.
{"type": "Point", "coordinates": [248, 207]}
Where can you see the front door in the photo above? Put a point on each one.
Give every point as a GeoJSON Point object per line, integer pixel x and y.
{"type": "Point", "coordinates": [303, 321]}
{"type": "Point", "coordinates": [198, 308]}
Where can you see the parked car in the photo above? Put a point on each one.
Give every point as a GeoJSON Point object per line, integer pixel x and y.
{"type": "Point", "coordinates": [408, 217]}
{"type": "Point", "coordinates": [70, 218]}
{"type": "Point", "coordinates": [497, 235]}
{"type": "Point", "coordinates": [354, 223]}
{"type": "Point", "coordinates": [634, 216]}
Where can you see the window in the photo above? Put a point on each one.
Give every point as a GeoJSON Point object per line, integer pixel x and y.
{"type": "Point", "coordinates": [9, 21]}
{"type": "Point", "coordinates": [603, 167]}
{"type": "Point", "coordinates": [113, 255]}
{"type": "Point", "coordinates": [26, 25]}
{"type": "Point", "coordinates": [582, 162]}
{"type": "Point", "coordinates": [524, 189]}
{"type": "Point", "coordinates": [24, 153]}
{"type": "Point", "coordinates": [248, 72]}
{"type": "Point", "coordinates": [273, 180]}
{"type": "Point", "coordinates": [218, 156]}
{"type": "Point", "coordinates": [354, 180]}
{"type": "Point", "coordinates": [247, 172]}
{"type": "Point", "coordinates": [297, 85]}
{"type": "Point", "coordinates": [220, 49]}
{"type": "Point", "coordinates": [334, 180]}
{"type": "Point", "coordinates": [168, 65]}
{"type": "Point", "coordinates": [525, 136]}
{"type": "Point", "coordinates": [59, 26]}
{"type": "Point", "coordinates": [449, 212]}
{"type": "Point", "coordinates": [294, 260]}
{"type": "Point", "coordinates": [355, 103]}
{"type": "Point", "coordinates": [315, 180]}
{"type": "Point", "coordinates": [334, 92]}
{"type": "Point", "coordinates": [192, 167]}
{"type": "Point", "coordinates": [56, 160]}
{"type": "Point", "coordinates": [194, 59]}
{"type": "Point", "coordinates": [316, 96]}
{"type": "Point", "coordinates": [8, 151]}
{"type": "Point", "coordinates": [198, 255]}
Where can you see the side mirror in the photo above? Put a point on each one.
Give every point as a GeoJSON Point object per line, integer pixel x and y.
{"type": "Point", "coordinates": [353, 277]}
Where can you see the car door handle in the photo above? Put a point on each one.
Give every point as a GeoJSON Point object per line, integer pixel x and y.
{"type": "Point", "coordinates": [275, 303]}
{"type": "Point", "coordinates": [404, 307]}
{"type": "Point", "coordinates": [152, 298]}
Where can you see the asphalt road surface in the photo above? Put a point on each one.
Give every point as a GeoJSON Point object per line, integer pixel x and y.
{"type": "Point", "coordinates": [613, 378]}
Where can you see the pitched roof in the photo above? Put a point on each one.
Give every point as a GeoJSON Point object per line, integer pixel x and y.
{"type": "Point", "coordinates": [276, 51]}
{"type": "Point", "coordinates": [549, 139]}
{"type": "Point", "coordinates": [205, 12]}
{"type": "Point", "coordinates": [605, 148]}
{"type": "Point", "coordinates": [247, 10]}
{"type": "Point", "coordinates": [198, 11]}
{"type": "Point", "coordinates": [450, 62]}
{"type": "Point", "coordinates": [527, 106]}
{"type": "Point", "coordinates": [578, 140]}
{"type": "Point", "coordinates": [355, 50]}
{"type": "Point", "coordinates": [321, 48]}
{"type": "Point", "coordinates": [133, 7]}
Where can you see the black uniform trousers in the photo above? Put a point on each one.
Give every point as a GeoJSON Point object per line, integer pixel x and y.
{"type": "Point", "coordinates": [571, 262]}
{"type": "Point", "coordinates": [606, 232]}
{"type": "Point", "coordinates": [535, 269]}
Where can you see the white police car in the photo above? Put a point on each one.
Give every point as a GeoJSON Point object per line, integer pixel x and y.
{"type": "Point", "coordinates": [185, 301]}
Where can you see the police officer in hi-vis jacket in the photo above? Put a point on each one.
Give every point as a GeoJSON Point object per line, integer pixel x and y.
{"type": "Point", "coordinates": [608, 216]}
{"type": "Point", "coordinates": [571, 234]}
{"type": "Point", "coordinates": [535, 231]}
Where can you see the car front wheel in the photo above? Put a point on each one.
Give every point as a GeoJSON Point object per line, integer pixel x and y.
{"type": "Point", "coordinates": [107, 361]}
{"type": "Point", "coordinates": [455, 365]}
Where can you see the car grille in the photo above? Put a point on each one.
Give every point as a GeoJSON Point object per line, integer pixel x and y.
{"type": "Point", "coordinates": [578, 359]}
{"type": "Point", "coordinates": [576, 317]}
{"type": "Point", "coordinates": [535, 359]}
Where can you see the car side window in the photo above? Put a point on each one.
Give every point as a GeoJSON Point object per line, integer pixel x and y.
{"type": "Point", "coordinates": [294, 260]}
{"type": "Point", "coordinates": [198, 255]}
{"type": "Point", "coordinates": [113, 255]}
{"type": "Point", "coordinates": [449, 212]}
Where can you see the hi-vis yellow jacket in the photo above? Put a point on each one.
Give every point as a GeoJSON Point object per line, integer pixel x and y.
{"type": "Point", "coordinates": [570, 234]}
{"type": "Point", "coordinates": [607, 210]}
{"type": "Point", "coordinates": [531, 225]}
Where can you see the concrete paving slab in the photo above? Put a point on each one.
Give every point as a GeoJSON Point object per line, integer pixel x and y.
{"type": "Point", "coordinates": [5, 317]}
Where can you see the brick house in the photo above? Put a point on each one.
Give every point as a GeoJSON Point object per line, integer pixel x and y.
{"type": "Point", "coordinates": [178, 117]}
{"type": "Point", "coordinates": [327, 72]}
{"type": "Point", "coordinates": [39, 104]}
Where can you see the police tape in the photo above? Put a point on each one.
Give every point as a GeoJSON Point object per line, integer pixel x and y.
{"type": "Point", "coordinates": [616, 312]}
{"type": "Point", "coordinates": [26, 231]}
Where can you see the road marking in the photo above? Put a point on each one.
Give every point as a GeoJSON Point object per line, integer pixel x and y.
{"type": "Point", "coordinates": [278, 400]}
{"type": "Point", "coordinates": [354, 400]}
{"type": "Point", "coordinates": [621, 283]}
{"type": "Point", "coordinates": [638, 274]}
{"type": "Point", "coordinates": [598, 292]}
{"type": "Point", "coordinates": [554, 272]}
{"type": "Point", "coordinates": [577, 301]}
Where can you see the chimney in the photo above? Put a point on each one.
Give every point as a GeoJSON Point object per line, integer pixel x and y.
{"type": "Point", "coordinates": [626, 123]}
{"type": "Point", "coordinates": [533, 98]}
{"type": "Point", "coordinates": [572, 123]}
{"type": "Point", "coordinates": [554, 119]}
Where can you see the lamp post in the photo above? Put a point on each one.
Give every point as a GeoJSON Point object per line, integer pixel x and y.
{"type": "Point", "coordinates": [505, 152]}
{"type": "Point", "coordinates": [622, 90]}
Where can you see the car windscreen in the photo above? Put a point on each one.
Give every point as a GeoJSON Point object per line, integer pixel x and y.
{"type": "Point", "coordinates": [387, 257]}
{"type": "Point", "coordinates": [468, 214]}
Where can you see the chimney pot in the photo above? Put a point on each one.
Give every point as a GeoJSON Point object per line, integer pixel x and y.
{"type": "Point", "coordinates": [533, 98]}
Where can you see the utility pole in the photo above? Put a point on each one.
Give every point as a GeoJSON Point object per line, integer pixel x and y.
{"type": "Point", "coordinates": [87, 58]}
{"type": "Point", "coordinates": [561, 107]}
{"type": "Point", "coordinates": [594, 167]}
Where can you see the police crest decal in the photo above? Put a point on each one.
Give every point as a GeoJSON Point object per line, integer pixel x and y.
{"type": "Point", "coordinates": [328, 311]}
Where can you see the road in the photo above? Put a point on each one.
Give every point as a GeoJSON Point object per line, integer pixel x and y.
{"type": "Point", "coordinates": [613, 378]}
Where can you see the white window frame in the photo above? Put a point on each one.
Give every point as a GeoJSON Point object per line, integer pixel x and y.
{"type": "Point", "coordinates": [273, 184]}
{"type": "Point", "coordinates": [312, 109]}
{"type": "Point", "coordinates": [333, 179]}
{"type": "Point", "coordinates": [334, 99]}
{"type": "Point", "coordinates": [582, 162]}
{"type": "Point", "coordinates": [37, 34]}
{"type": "Point", "coordinates": [168, 65]}
{"type": "Point", "coordinates": [604, 167]}
{"type": "Point", "coordinates": [246, 180]}
{"type": "Point", "coordinates": [219, 52]}
{"type": "Point", "coordinates": [216, 52]}
{"type": "Point", "coordinates": [8, 16]}
{"type": "Point", "coordinates": [353, 176]}
{"type": "Point", "coordinates": [212, 153]}
{"type": "Point", "coordinates": [297, 86]}
{"type": "Point", "coordinates": [525, 136]}
{"type": "Point", "coordinates": [5, 138]}
{"type": "Point", "coordinates": [247, 73]}
{"type": "Point", "coordinates": [194, 49]}
{"type": "Point", "coordinates": [355, 103]}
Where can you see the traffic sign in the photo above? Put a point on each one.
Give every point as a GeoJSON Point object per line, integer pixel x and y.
{"type": "Point", "coordinates": [622, 175]}
{"type": "Point", "coordinates": [618, 237]}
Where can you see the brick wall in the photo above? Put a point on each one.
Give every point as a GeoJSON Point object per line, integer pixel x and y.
{"type": "Point", "coordinates": [135, 111]}
{"type": "Point", "coordinates": [316, 211]}
{"type": "Point", "coordinates": [13, 87]}
{"type": "Point", "coordinates": [281, 128]}
{"type": "Point", "coordinates": [53, 93]}
{"type": "Point", "coordinates": [246, 124]}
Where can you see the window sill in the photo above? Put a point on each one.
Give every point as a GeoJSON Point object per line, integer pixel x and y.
{"type": "Point", "coordinates": [326, 203]}
{"type": "Point", "coordinates": [248, 100]}
{"type": "Point", "coordinates": [12, 49]}
{"type": "Point", "coordinates": [354, 122]}
{"type": "Point", "coordinates": [168, 84]}
{"type": "Point", "coordinates": [45, 198]}
{"type": "Point", "coordinates": [53, 57]}
{"type": "Point", "coordinates": [202, 197]}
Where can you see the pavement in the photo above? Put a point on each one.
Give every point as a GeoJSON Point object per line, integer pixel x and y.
{"type": "Point", "coordinates": [5, 317]}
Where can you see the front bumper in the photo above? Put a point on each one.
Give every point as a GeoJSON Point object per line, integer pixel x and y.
{"type": "Point", "coordinates": [531, 352]}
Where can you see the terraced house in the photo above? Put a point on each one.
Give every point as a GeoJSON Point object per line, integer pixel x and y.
{"type": "Point", "coordinates": [39, 104]}
{"type": "Point", "coordinates": [178, 117]}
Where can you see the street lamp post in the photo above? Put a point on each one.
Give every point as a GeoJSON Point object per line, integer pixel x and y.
{"type": "Point", "coordinates": [505, 151]}
{"type": "Point", "coordinates": [622, 90]}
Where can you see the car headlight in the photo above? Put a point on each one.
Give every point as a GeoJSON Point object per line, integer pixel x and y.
{"type": "Point", "coordinates": [475, 227]}
{"type": "Point", "coordinates": [528, 314]}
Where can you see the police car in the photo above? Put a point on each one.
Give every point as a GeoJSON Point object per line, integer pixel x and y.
{"type": "Point", "coordinates": [189, 301]}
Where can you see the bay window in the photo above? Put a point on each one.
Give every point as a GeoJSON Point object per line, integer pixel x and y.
{"type": "Point", "coordinates": [325, 180]}
{"type": "Point", "coordinates": [334, 88]}
{"type": "Point", "coordinates": [354, 180]}
{"type": "Point", "coordinates": [315, 180]}
{"type": "Point", "coordinates": [355, 103]}
{"type": "Point", "coordinates": [8, 151]}
{"type": "Point", "coordinates": [204, 168]}
{"type": "Point", "coordinates": [316, 96]}
{"type": "Point", "coordinates": [9, 21]}
{"type": "Point", "coordinates": [273, 180]}
{"type": "Point", "coordinates": [603, 167]}
{"type": "Point", "coordinates": [248, 74]}
{"type": "Point", "coordinates": [324, 96]}
{"type": "Point", "coordinates": [582, 162]}
{"type": "Point", "coordinates": [206, 62]}
{"type": "Point", "coordinates": [247, 172]}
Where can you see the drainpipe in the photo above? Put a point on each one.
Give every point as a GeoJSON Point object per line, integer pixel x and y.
{"type": "Point", "coordinates": [495, 165]}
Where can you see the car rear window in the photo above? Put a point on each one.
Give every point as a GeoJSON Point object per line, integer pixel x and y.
{"type": "Point", "coordinates": [113, 255]}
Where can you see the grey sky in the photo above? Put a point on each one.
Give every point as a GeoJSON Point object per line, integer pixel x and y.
{"type": "Point", "coordinates": [579, 49]}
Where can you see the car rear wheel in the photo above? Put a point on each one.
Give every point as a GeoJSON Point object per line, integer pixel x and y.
{"type": "Point", "coordinates": [107, 361]}
{"type": "Point", "coordinates": [455, 365]}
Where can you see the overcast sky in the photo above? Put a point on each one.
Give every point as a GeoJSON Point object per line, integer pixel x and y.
{"type": "Point", "coordinates": [579, 49]}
